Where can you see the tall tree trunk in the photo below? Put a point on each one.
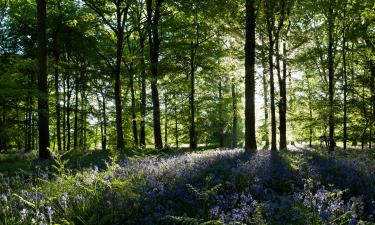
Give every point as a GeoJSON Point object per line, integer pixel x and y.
{"type": "Point", "coordinates": [283, 97]}
{"type": "Point", "coordinates": [176, 122]}
{"type": "Point", "coordinates": [69, 93]}
{"type": "Point", "coordinates": [117, 76]}
{"type": "Point", "coordinates": [345, 133]}
{"type": "Point", "coordinates": [75, 133]}
{"type": "Point", "coordinates": [153, 16]}
{"type": "Point", "coordinates": [234, 115]}
{"type": "Point", "coordinates": [331, 79]}
{"type": "Point", "coordinates": [272, 85]}
{"type": "Point", "coordinates": [165, 119]}
{"type": "Point", "coordinates": [142, 129]}
{"type": "Point", "coordinates": [134, 116]}
{"type": "Point", "coordinates": [43, 111]}
{"type": "Point", "coordinates": [192, 136]}
{"type": "Point", "coordinates": [64, 113]}
{"type": "Point", "coordinates": [250, 138]}
{"type": "Point", "coordinates": [57, 98]}
{"type": "Point", "coordinates": [221, 124]}
{"type": "Point", "coordinates": [265, 100]}
{"type": "Point", "coordinates": [310, 113]}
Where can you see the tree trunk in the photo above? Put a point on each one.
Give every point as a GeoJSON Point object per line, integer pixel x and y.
{"type": "Point", "coordinates": [165, 119]}
{"type": "Point", "coordinates": [117, 76]}
{"type": "Point", "coordinates": [310, 113]}
{"type": "Point", "coordinates": [142, 133]}
{"type": "Point", "coordinates": [42, 83]}
{"type": "Point", "coordinates": [134, 116]}
{"type": "Point", "coordinates": [250, 138]}
{"type": "Point", "coordinates": [153, 16]}
{"type": "Point", "coordinates": [283, 99]}
{"type": "Point", "coordinates": [192, 136]}
{"type": "Point", "coordinates": [265, 107]}
{"type": "Point", "coordinates": [331, 79]}
{"type": "Point", "coordinates": [272, 85]}
{"type": "Point", "coordinates": [234, 115]}
{"type": "Point", "coordinates": [221, 124]}
{"type": "Point", "coordinates": [57, 99]}
{"type": "Point", "coordinates": [75, 133]}
{"type": "Point", "coordinates": [176, 122]}
{"type": "Point", "coordinates": [345, 135]}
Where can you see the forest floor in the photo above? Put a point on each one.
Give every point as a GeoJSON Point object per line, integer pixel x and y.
{"type": "Point", "coordinates": [219, 186]}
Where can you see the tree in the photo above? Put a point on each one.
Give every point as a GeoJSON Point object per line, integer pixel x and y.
{"type": "Point", "coordinates": [250, 139]}
{"type": "Point", "coordinates": [42, 83]}
{"type": "Point", "coordinates": [153, 17]}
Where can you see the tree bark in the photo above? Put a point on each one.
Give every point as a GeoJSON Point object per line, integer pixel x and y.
{"type": "Point", "coordinates": [142, 129]}
{"type": "Point", "coordinates": [43, 111]}
{"type": "Point", "coordinates": [117, 76]}
{"type": "Point", "coordinates": [345, 133]}
{"type": "Point", "coordinates": [134, 115]}
{"type": "Point", "coordinates": [221, 124]}
{"type": "Point", "coordinates": [165, 119]}
{"type": "Point", "coordinates": [57, 98]}
{"type": "Point", "coordinates": [272, 85]}
{"type": "Point", "coordinates": [234, 115]}
{"type": "Point", "coordinates": [192, 136]}
{"type": "Point", "coordinates": [331, 79]}
{"type": "Point", "coordinates": [153, 16]}
{"type": "Point", "coordinates": [75, 133]}
{"type": "Point", "coordinates": [250, 138]}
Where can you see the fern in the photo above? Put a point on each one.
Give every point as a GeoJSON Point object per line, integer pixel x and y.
{"type": "Point", "coordinates": [190, 221]}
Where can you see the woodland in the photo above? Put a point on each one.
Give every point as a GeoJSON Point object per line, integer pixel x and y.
{"type": "Point", "coordinates": [201, 112]}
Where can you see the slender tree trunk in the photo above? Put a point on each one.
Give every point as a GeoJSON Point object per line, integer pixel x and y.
{"type": "Point", "coordinates": [176, 122]}
{"type": "Point", "coordinates": [153, 16]}
{"type": "Point", "coordinates": [221, 124]}
{"type": "Point", "coordinates": [310, 113]}
{"type": "Point", "coordinates": [142, 133]}
{"type": "Point", "coordinates": [250, 139]}
{"type": "Point", "coordinates": [117, 76]}
{"type": "Point", "coordinates": [331, 79]}
{"type": "Point", "coordinates": [75, 133]}
{"type": "Point", "coordinates": [134, 116]}
{"type": "Point", "coordinates": [43, 111]}
{"type": "Point", "coordinates": [57, 99]}
{"type": "Point", "coordinates": [64, 113]}
{"type": "Point", "coordinates": [283, 97]}
{"type": "Point", "coordinates": [192, 136]}
{"type": "Point", "coordinates": [265, 108]}
{"type": "Point", "coordinates": [272, 85]}
{"type": "Point", "coordinates": [234, 115]}
{"type": "Point", "coordinates": [68, 112]}
{"type": "Point", "coordinates": [165, 119]}
{"type": "Point", "coordinates": [345, 133]}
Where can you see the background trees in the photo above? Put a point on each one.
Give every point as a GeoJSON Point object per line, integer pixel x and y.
{"type": "Point", "coordinates": [136, 73]}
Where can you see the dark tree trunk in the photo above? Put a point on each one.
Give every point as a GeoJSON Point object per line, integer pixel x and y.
{"type": "Point", "coordinates": [64, 114]}
{"type": "Point", "coordinates": [75, 133]}
{"type": "Point", "coordinates": [283, 99]}
{"type": "Point", "coordinates": [272, 85]}
{"type": "Point", "coordinates": [331, 80]}
{"type": "Point", "coordinates": [134, 116]}
{"type": "Point", "coordinates": [117, 77]}
{"type": "Point", "coordinates": [234, 115]}
{"type": "Point", "coordinates": [250, 138]}
{"type": "Point", "coordinates": [57, 98]}
{"type": "Point", "coordinates": [345, 133]}
{"type": "Point", "coordinates": [265, 100]}
{"type": "Point", "coordinates": [43, 112]}
{"type": "Point", "coordinates": [153, 16]}
{"type": "Point", "coordinates": [192, 136]}
{"type": "Point", "coordinates": [69, 93]}
{"type": "Point", "coordinates": [165, 119]}
{"type": "Point", "coordinates": [142, 133]}
{"type": "Point", "coordinates": [176, 122]}
{"type": "Point", "coordinates": [310, 113]}
{"type": "Point", "coordinates": [221, 124]}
